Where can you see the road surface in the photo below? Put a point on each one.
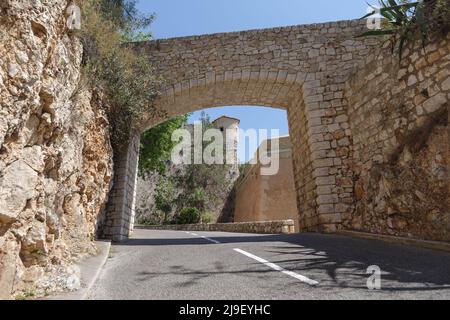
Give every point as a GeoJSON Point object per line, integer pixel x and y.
{"type": "Point", "coordinates": [215, 265]}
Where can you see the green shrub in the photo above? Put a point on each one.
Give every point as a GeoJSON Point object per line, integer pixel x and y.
{"type": "Point", "coordinates": [197, 198]}
{"type": "Point", "coordinates": [206, 217]}
{"type": "Point", "coordinates": [164, 198]}
{"type": "Point", "coordinates": [146, 221]}
{"type": "Point", "coordinates": [189, 216]}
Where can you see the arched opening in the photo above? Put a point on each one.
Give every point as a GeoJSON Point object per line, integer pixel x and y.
{"type": "Point", "coordinates": [230, 193]}
{"type": "Point", "coordinates": [301, 69]}
{"type": "Point", "coordinates": [312, 156]}
{"type": "Point", "coordinates": [268, 89]}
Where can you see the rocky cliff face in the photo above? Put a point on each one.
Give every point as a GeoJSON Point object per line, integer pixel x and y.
{"type": "Point", "coordinates": [55, 155]}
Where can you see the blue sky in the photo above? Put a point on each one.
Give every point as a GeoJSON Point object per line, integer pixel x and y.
{"type": "Point", "coordinates": [176, 18]}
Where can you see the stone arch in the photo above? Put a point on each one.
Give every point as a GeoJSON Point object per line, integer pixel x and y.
{"type": "Point", "coordinates": [302, 69]}
{"type": "Point", "coordinates": [275, 89]}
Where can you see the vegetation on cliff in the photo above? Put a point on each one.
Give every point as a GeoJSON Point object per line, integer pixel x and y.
{"type": "Point", "coordinates": [201, 188]}
{"type": "Point", "coordinates": [157, 145]}
{"type": "Point", "coordinates": [127, 79]}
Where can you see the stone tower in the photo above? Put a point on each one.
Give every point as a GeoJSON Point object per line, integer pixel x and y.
{"type": "Point", "coordinates": [230, 130]}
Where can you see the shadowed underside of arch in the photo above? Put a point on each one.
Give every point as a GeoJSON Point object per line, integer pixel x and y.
{"type": "Point", "coordinates": [262, 88]}
{"type": "Point", "coordinates": [302, 69]}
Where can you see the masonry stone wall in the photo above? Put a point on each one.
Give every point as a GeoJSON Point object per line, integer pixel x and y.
{"type": "Point", "coordinates": [261, 227]}
{"type": "Point", "coordinates": [118, 219]}
{"type": "Point", "coordinates": [350, 109]}
{"type": "Point", "coordinates": [302, 69]}
{"type": "Point", "coordinates": [266, 198]}
{"type": "Point", "coordinates": [369, 136]}
{"type": "Point", "coordinates": [398, 114]}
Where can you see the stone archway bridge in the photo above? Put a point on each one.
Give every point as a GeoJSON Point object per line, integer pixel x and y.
{"type": "Point", "coordinates": [302, 69]}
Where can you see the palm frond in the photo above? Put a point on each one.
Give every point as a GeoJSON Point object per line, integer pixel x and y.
{"type": "Point", "coordinates": [406, 18]}
{"type": "Point", "coordinates": [377, 33]}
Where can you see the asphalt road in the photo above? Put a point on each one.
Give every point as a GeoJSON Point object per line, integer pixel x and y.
{"type": "Point", "coordinates": [180, 265]}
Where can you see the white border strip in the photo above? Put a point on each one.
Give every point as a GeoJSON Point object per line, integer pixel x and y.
{"type": "Point", "coordinates": [278, 268]}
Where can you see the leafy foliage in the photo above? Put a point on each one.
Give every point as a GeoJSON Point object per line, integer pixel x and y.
{"type": "Point", "coordinates": [164, 197]}
{"type": "Point", "coordinates": [127, 78]}
{"type": "Point", "coordinates": [203, 187]}
{"type": "Point", "coordinates": [125, 15]}
{"type": "Point", "coordinates": [407, 20]}
{"type": "Point", "coordinates": [188, 216]}
{"type": "Point", "coordinates": [206, 183]}
{"type": "Point", "coordinates": [157, 145]}
{"type": "Point", "coordinates": [206, 217]}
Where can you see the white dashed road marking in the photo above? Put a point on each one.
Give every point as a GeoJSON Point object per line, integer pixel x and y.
{"type": "Point", "coordinates": [209, 239]}
{"type": "Point", "coordinates": [278, 268]}
{"type": "Point", "coordinates": [203, 237]}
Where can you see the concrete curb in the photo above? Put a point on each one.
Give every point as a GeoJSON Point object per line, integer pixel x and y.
{"type": "Point", "coordinates": [90, 269]}
{"type": "Point", "coordinates": [426, 244]}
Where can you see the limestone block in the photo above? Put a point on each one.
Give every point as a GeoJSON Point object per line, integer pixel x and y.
{"type": "Point", "coordinates": [17, 185]}
{"type": "Point", "coordinates": [34, 157]}
{"type": "Point", "coordinates": [434, 103]}
{"type": "Point", "coordinates": [446, 85]}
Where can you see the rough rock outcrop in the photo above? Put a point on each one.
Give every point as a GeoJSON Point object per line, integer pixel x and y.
{"type": "Point", "coordinates": [55, 155]}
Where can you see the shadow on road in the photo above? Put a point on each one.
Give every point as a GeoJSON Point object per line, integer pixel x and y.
{"type": "Point", "coordinates": [403, 268]}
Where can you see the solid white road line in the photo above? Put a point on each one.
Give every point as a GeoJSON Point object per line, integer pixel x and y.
{"type": "Point", "coordinates": [278, 268]}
